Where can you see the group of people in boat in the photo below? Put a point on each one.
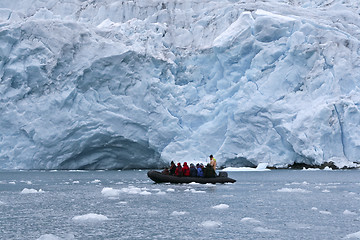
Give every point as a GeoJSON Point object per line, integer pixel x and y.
{"type": "Point", "coordinates": [199, 170]}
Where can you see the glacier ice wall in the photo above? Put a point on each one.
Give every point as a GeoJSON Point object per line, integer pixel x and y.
{"type": "Point", "coordinates": [90, 84]}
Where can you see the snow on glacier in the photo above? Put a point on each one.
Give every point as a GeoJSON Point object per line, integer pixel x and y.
{"type": "Point", "coordinates": [136, 84]}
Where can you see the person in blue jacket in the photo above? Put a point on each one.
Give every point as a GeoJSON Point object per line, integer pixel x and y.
{"type": "Point", "coordinates": [200, 172]}
{"type": "Point", "coordinates": [193, 170]}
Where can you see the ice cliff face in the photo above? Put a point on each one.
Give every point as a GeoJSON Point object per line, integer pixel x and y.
{"type": "Point", "coordinates": [127, 84]}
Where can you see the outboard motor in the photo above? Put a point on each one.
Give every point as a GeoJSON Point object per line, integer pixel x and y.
{"type": "Point", "coordinates": [223, 174]}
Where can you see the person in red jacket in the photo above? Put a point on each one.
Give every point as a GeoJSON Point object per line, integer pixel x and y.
{"type": "Point", "coordinates": [178, 170]}
{"type": "Point", "coordinates": [186, 170]}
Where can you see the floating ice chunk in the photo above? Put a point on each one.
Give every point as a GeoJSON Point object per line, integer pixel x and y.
{"type": "Point", "coordinates": [265, 230]}
{"type": "Point", "coordinates": [31, 190]}
{"type": "Point", "coordinates": [194, 183]}
{"type": "Point", "coordinates": [220, 206]}
{"type": "Point", "coordinates": [160, 193]}
{"type": "Point", "coordinates": [12, 182]}
{"type": "Point", "coordinates": [353, 235]}
{"type": "Point", "coordinates": [145, 193]}
{"type": "Point", "coordinates": [325, 212]}
{"type": "Point", "coordinates": [296, 225]}
{"type": "Point", "coordinates": [122, 203]}
{"type": "Point", "coordinates": [49, 237]}
{"type": "Point", "coordinates": [298, 183]}
{"type": "Point", "coordinates": [170, 190]}
{"type": "Point", "coordinates": [90, 217]}
{"type": "Point", "coordinates": [210, 224]}
{"type": "Point", "coordinates": [293, 190]}
{"type": "Point", "coordinates": [176, 213]}
{"type": "Point", "coordinates": [27, 182]}
{"type": "Point", "coordinates": [96, 181]}
{"type": "Point", "coordinates": [314, 208]}
{"type": "Point", "coordinates": [347, 212]}
{"type": "Point", "coordinates": [76, 182]}
{"type": "Point", "coordinates": [54, 237]}
{"type": "Point", "coordinates": [325, 191]}
{"type": "Point", "coordinates": [249, 220]}
{"type": "Point", "coordinates": [131, 190]}
{"type": "Point", "coordinates": [110, 192]}
{"type": "Point", "coordinates": [194, 191]}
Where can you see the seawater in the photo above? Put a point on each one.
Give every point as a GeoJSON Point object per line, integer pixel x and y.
{"type": "Point", "coordinates": [278, 204]}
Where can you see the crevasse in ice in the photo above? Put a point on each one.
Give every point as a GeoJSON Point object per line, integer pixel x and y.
{"type": "Point", "coordinates": [135, 84]}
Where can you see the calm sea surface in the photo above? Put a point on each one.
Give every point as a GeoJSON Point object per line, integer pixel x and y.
{"type": "Point", "coordinates": [279, 204]}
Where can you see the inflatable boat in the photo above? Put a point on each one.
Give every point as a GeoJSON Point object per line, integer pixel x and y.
{"type": "Point", "coordinates": [158, 177]}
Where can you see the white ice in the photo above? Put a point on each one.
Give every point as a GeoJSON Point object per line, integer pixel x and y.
{"type": "Point", "coordinates": [178, 213]}
{"type": "Point", "coordinates": [210, 224]}
{"type": "Point", "coordinates": [293, 190]}
{"type": "Point", "coordinates": [90, 217]}
{"type": "Point", "coordinates": [249, 220]}
{"type": "Point", "coordinates": [220, 206]}
{"type": "Point", "coordinates": [325, 212]}
{"type": "Point", "coordinates": [348, 212]}
{"type": "Point", "coordinates": [265, 230]}
{"type": "Point", "coordinates": [110, 192]}
{"type": "Point", "coordinates": [194, 191]}
{"type": "Point", "coordinates": [55, 237]}
{"type": "Point", "coordinates": [355, 235]}
{"type": "Point", "coordinates": [31, 190]}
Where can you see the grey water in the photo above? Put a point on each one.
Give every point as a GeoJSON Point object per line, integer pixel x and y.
{"type": "Point", "coordinates": [278, 204]}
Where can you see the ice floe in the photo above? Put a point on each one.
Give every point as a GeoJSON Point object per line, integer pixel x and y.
{"type": "Point", "coordinates": [31, 190]}
{"type": "Point", "coordinates": [210, 224]}
{"type": "Point", "coordinates": [90, 217]}
{"type": "Point", "coordinates": [293, 190]}
{"type": "Point", "coordinates": [221, 206]}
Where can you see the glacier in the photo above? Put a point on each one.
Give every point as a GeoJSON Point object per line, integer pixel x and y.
{"type": "Point", "coordinates": [122, 84]}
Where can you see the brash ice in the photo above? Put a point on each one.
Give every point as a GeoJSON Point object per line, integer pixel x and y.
{"type": "Point", "coordinates": [136, 84]}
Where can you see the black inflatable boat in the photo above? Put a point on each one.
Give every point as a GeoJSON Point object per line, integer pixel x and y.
{"type": "Point", "coordinates": [158, 177]}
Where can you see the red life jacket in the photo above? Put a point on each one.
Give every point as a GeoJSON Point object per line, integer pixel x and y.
{"type": "Point", "coordinates": [186, 170]}
{"type": "Point", "coordinates": [178, 171]}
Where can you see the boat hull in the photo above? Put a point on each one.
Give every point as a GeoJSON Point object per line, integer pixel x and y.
{"type": "Point", "coordinates": [158, 177]}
